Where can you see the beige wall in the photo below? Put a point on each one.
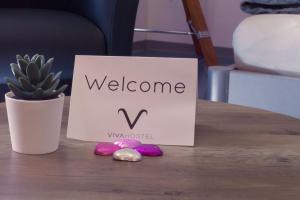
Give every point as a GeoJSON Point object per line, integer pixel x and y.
{"type": "Point", "coordinates": [222, 18]}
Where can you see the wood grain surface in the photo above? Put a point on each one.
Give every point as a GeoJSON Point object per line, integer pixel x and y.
{"type": "Point", "coordinates": [240, 154]}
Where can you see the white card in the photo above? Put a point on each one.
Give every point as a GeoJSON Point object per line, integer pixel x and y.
{"type": "Point", "coordinates": [149, 99]}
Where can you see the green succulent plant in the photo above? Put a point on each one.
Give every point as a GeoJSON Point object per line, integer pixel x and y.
{"type": "Point", "coordinates": [34, 81]}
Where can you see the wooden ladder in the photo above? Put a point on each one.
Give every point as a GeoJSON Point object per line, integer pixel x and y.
{"type": "Point", "coordinates": [198, 30]}
{"type": "Point", "coordinates": [201, 38]}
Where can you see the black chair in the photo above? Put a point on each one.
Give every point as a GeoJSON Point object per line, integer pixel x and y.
{"type": "Point", "coordinates": [62, 29]}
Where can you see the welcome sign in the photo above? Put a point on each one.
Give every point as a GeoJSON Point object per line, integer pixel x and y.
{"type": "Point", "coordinates": [149, 99]}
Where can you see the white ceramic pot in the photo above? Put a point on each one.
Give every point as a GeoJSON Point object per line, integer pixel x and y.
{"type": "Point", "coordinates": [34, 125]}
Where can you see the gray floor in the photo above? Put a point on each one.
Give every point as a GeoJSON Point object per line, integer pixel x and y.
{"type": "Point", "coordinates": [224, 55]}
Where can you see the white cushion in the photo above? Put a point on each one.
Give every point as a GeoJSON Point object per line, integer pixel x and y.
{"type": "Point", "coordinates": [269, 43]}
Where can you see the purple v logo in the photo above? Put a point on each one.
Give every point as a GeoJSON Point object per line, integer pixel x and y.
{"type": "Point", "coordinates": [132, 124]}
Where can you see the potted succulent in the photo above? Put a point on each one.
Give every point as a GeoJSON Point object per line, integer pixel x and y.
{"type": "Point", "coordinates": [34, 105]}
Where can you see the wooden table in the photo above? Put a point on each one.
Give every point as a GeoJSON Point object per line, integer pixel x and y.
{"type": "Point", "coordinates": [240, 153]}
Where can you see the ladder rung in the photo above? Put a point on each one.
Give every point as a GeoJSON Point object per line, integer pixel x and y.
{"type": "Point", "coordinates": [199, 34]}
